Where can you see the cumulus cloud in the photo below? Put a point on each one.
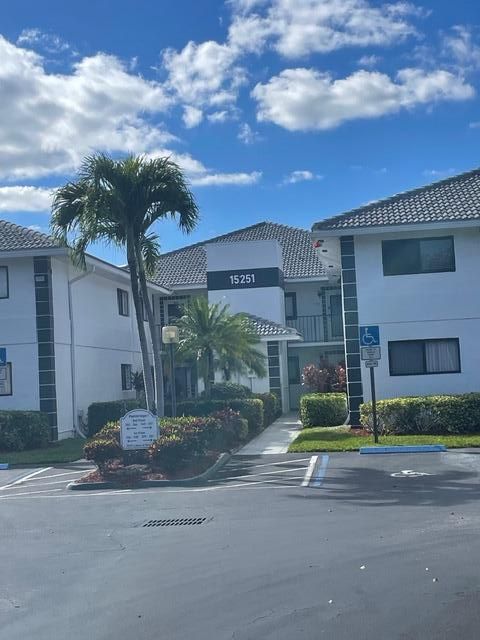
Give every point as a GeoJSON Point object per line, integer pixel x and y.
{"type": "Point", "coordinates": [99, 105]}
{"type": "Point", "coordinates": [301, 176]}
{"type": "Point", "coordinates": [461, 44]}
{"type": "Point", "coordinates": [192, 116]}
{"type": "Point", "coordinates": [368, 61]}
{"type": "Point", "coordinates": [20, 198]}
{"type": "Point", "coordinates": [306, 99]}
{"type": "Point", "coordinates": [201, 176]}
{"type": "Point", "coordinates": [300, 27]}
{"type": "Point", "coordinates": [439, 173]}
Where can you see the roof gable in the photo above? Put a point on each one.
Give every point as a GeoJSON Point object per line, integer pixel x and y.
{"type": "Point", "coordinates": [13, 237]}
{"type": "Point", "coordinates": [455, 198]}
{"type": "Point", "coordinates": [188, 266]}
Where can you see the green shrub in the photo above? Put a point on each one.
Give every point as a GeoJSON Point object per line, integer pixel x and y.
{"type": "Point", "coordinates": [229, 390]}
{"type": "Point", "coordinates": [234, 429]}
{"type": "Point", "coordinates": [181, 439]}
{"type": "Point", "coordinates": [102, 450]}
{"type": "Point", "coordinates": [323, 409]}
{"type": "Point", "coordinates": [271, 407]}
{"type": "Point", "coordinates": [99, 413]}
{"type": "Point", "coordinates": [21, 430]}
{"type": "Point", "coordinates": [434, 415]}
{"type": "Point", "coordinates": [250, 408]}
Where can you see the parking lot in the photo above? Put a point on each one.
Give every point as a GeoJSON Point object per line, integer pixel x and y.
{"type": "Point", "coordinates": [276, 547]}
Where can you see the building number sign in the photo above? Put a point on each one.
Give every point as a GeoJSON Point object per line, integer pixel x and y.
{"type": "Point", "coordinates": [242, 278]}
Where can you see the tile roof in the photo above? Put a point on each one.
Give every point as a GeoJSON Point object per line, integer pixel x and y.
{"type": "Point", "coordinates": [456, 198]}
{"type": "Point", "coordinates": [267, 328]}
{"type": "Point", "coordinates": [15, 238]}
{"type": "Point", "coordinates": [188, 266]}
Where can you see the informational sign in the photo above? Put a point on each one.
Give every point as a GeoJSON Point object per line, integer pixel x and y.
{"type": "Point", "coordinates": [370, 336]}
{"type": "Point", "coordinates": [6, 380]}
{"type": "Point", "coordinates": [3, 356]}
{"type": "Point", "coordinates": [370, 353]}
{"type": "Point", "coordinates": [138, 429]}
{"type": "Point", "coordinates": [244, 279]}
{"type": "Point", "coordinates": [371, 363]}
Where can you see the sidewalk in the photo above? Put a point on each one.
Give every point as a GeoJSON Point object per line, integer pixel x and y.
{"type": "Point", "coordinates": [275, 439]}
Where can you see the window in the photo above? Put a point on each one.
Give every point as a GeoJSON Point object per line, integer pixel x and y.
{"type": "Point", "coordinates": [175, 312]}
{"type": "Point", "coordinates": [6, 380]}
{"type": "Point", "coordinates": [126, 377]}
{"type": "Point", "coordinates": [3, 282]}
{"type": "Point", "coordinates": [420, 357]}
{"type": "Point", "coordinates": [293, 370]}
{"type": "Point", "coordinates": [418, 255]}
{"type": "Point", "coordinates": [290, 306]}
{"type": "Point", "coordinates": [122, 298]}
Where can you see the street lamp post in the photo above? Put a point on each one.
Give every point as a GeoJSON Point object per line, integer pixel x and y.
{"type": "Point", "coordinates": [170, 337]}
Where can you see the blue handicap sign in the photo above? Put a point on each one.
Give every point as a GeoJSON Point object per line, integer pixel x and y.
{"type": "Point", "coordinates": [370, 336]}
{"type": "Point", "coordinates": [3, 356]}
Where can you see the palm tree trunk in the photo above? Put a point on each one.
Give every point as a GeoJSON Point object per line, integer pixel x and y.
{"type": "Point", "coordinates": [147, 372]}
{"type": "Point", "coordinates": [157, 358]}
{"type": "Point", "coordinates": [208, 373]}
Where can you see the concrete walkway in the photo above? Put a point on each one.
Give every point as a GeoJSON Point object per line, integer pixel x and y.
{"type": "Point", "coordinates": [275, 439]}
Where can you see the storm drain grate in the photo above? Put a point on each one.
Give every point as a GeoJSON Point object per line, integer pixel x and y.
{"type": "Point", "coordinates": [174, 522]}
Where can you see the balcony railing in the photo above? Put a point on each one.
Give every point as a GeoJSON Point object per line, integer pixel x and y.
{"type": "Point", "coordinates": [328, 328]}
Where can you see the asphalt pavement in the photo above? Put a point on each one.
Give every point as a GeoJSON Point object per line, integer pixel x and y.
{"type": "Point", "coordinates": [275, 547]}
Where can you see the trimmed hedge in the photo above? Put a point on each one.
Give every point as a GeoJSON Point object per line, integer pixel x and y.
{"type": "Point", "coordinates": [21, 430]}
{"type": "Point", "coordinates": [250, 408]}
{"type": "Point", "coordinates": [434, 415]}
{"type": "Point", "coordinates": [228, 391]}
{"type": "Point", "coordinates": [99, 413]}
{"type": "Point", "coordinates": [323, 409]}
{"type": "Point", "coordinates": [271, 407]}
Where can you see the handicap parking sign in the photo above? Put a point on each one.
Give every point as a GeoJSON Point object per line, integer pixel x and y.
{"type": "Point", "coordinates": [370, 336]}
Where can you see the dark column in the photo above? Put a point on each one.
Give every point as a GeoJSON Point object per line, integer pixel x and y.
{"type": "Point", "coordinates": [350, 320]}
{"type": "Point", "coordinates": [46, 344]}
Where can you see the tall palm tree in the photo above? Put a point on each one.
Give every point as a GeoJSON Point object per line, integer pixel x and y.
{"type": "Point", "coordinates": [212, 336]}
{"type": "Point", "coordinates": [118, 201]}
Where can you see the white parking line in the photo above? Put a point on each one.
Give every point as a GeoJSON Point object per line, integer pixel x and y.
{"type": "Point", "coordinates": [28, 493]}
{"type": "Point", "coordinates": [309, 472]}
{"type": "Point", "coordinates": [67, 473]}
{"type": "Point", "coordinates": [274, 464]}
{"type": "Point", "coordinates": [255, 475]}
{"type": "Point", "coordinates": [25, 478]}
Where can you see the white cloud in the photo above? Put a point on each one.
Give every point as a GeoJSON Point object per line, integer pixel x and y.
{"type": "Point", "coordinates": [219, 116]}
{"type": "Point", "coordinates": [300, 27]}
{"type": "Point", "coordinates": [201, 176]}
{"type": "Point", "coordinates": [221, 179]}
{"type": "Point", "coordinates": [48, 122]}
{"type": "Point", "coordinates": [20, 198]}
{"type": "Point", "coordinates": [247, 135]}
{"type": "Point", "coordinates": [369, 61]}
{"type": "Point", "coordinates": [46, 42]}
{"type": "Point", "coordinates": [192, 116]}
{"type": "Point", "coordinates": [204, 74]}
{"type": "Point", "coordinates": [301, 176]}
{"type": "Point", "coordinates": [306, 99]}
{"type": "Point", "coordinates": [461, 46]}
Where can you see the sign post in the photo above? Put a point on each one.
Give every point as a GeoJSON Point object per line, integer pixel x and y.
{"type": "Point", "coordinates": [371, 354]}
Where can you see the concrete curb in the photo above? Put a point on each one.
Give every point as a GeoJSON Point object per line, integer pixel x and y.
{"type": "Point", "coordinates": [421, 448]}
{"type": "Point", "coordinates": [143, 484]}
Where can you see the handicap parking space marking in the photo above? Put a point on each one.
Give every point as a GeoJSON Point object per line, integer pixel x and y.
{"type": "Point", "coordinates": [25, 478]}
{"type": "Point", "coordinates": [409, 473]}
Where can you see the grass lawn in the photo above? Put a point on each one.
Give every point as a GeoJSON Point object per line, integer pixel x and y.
{"type": "Point", "coordinates": [66, 450]}
{"type": "Point", "coordinates": [343, 439]}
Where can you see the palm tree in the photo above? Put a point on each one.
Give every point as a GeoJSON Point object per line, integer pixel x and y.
{"type": "Point", "coordinates": [213, 337]}
{"type": "Point", "coordinates": [118, 201]}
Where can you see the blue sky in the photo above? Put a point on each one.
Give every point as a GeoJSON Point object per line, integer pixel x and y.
{"type": "Point", "coordinates": [283, 110]}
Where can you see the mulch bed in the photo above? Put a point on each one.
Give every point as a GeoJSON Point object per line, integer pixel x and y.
{"type": "Point", "coordinates": [132, 474]}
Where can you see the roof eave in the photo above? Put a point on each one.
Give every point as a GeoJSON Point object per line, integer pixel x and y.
{"type": "Point", "coordinates": [318, 232]}
{"type": "Point", "coordinates": [27, 253]}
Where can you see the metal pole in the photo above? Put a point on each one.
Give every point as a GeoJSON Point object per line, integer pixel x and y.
{"type": "Point", "coordinates": [172, 380]}
{"type": "Point", "coordinates": [374, 405]}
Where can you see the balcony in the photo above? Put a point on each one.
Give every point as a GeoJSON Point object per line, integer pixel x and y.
{"type": "Point", "coordinates": [327, 328]}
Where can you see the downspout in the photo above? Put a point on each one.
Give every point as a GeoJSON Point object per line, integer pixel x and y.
{"type": "Point", "coordinates": [77, 430]}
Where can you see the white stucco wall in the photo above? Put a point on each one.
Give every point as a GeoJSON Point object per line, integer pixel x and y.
{"type": "Point", "coordinates": [437, 305]}
{"type": "Point", "coordinates": [18, 334]}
